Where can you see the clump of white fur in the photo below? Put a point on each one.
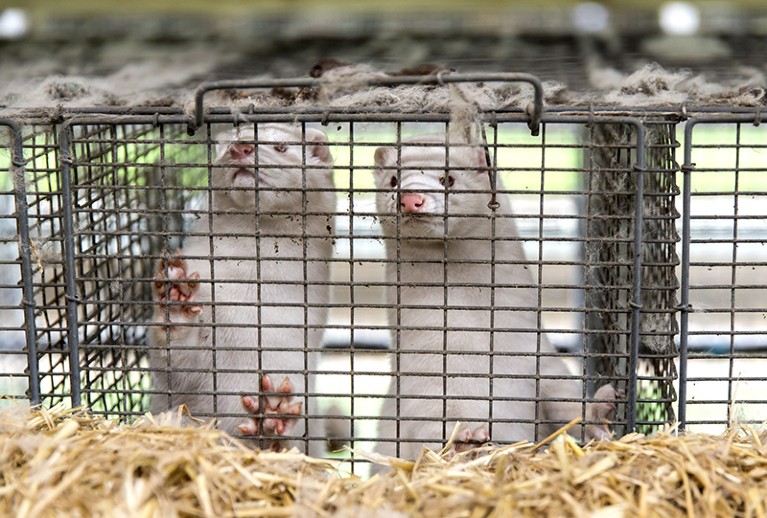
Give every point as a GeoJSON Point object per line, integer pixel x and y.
{"type": "Point", "coordinates": [159, 80]}
{"type": "Point", "coordinates": [653, 85]}
{"type": "Point", "coordinates": [166, 83]}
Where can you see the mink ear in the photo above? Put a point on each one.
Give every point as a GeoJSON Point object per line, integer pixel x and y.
{"type": "Point", "coordinates": [319, 147]}
{"type": "Point", "coordinates": [384, 156]}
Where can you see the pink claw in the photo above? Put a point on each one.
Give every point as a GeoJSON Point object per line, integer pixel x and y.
{"type": "Point", "coordinates": [250, 404]}
{"type": "Point", "coordinates": [249, 428]}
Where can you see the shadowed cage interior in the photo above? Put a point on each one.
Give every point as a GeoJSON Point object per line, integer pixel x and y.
{"type": "Point", "coordinates": [133, 188]}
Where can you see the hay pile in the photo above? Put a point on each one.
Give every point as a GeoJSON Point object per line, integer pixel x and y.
{"type": "Point", "coordinates": [60, 463]}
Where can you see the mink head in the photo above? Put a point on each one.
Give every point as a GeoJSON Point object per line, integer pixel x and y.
{"type": "Point", "coordinates": [429, 189]}
{"type": "Point", "coordinates": [271, 168]}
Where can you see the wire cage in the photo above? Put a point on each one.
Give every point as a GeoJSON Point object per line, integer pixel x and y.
{"type": "Point", "coordinates": [104, 202]}
{"type": "Point", "coordinates": [722, 290]}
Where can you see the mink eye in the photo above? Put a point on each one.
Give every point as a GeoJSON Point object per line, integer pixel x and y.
{"type": "Point", "coordinates": [280, 148]}
{"type": "Point", "coordinates": [450, 180]}
{"type": "Point", "coordinates": [393, 181]}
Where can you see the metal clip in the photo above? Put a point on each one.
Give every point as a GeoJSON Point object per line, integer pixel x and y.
{"type": "Point", "coordinates": [492, 172]}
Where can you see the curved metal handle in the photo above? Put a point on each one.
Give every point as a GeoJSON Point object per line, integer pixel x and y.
{"type": "Point", "coordinates": [535, 111]}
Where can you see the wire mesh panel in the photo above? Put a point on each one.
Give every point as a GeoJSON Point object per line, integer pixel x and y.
{"type": "Point", "coordinates": [13, 382]}
{"type": "Point", "coordinates": [474, 285]}
{"type": "Point", "coordinates": [611, 205]}
{"type": "Point", "coordinates": [660, 283]}
{"type": "Point", "coordinates": [126, 205]}
{"type": "Point", "coordinates": [30, 163]}
{"type": "Point", "coordinates": [724, 353]}
{"type": "Point", "coordinates": [365, 277]}
{"type": "Point", "coordinates": [43, 187]}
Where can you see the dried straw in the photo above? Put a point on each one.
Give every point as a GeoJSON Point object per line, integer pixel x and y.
{"type": "Point", "coordinates": [64, 463]}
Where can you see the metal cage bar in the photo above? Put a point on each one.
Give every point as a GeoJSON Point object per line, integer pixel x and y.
{"type": "Point", "coordinates": [89, 145]}
{"type": "Point", "coordinates": [73, 341]}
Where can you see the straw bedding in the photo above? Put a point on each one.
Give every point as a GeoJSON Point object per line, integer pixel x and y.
{"type": "Point", "coordinates": [63, 463]}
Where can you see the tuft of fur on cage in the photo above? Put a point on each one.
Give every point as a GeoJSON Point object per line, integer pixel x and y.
{"type": "Point", "coordinates": [59, 462]}
{"type": "Point", "coordinates": [158, 83]}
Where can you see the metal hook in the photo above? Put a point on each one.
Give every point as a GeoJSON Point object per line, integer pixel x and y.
{"type": "Point", "coordinates": [492, 172]}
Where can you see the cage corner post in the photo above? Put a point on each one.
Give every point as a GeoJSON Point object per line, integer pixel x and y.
{"type": "Point", "coordinates": [18, 173]}
{"type": "Point", "coordinates": [66, 164]}
{"type": "Point", "coordinates": [630, 214]}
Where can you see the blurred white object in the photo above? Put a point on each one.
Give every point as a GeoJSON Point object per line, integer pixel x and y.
{"type": "Point", "coordinates": [591, 17]}
{"type": "Point", "coordinates": [13, 24]}
{"type": "Point", "coordinates": [679, 18]}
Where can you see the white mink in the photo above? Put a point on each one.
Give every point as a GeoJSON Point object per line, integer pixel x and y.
{"type": "Point", "coordinates": [449, 263]}
{"type": "Point", "coordinates": [261, 300]}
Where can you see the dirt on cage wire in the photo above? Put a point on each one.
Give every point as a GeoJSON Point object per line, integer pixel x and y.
{"type": "Point", "coordinates": [60, 462]}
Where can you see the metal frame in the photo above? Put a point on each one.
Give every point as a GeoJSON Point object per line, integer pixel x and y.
{"type": "Point", "coordinates": [66, 163]}
{"type": "Point", "coordinates": [687, 168]}
{"type": "Point", "coordinates": [535, 111]}
{"type": "Point", "coordinates": [252, 115]}
{"type": "Point", "coordinates": [25, 254]}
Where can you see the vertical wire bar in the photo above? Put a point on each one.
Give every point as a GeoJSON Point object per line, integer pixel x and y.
{"type": "Point", "coordinates": [539, 279]}
{"type": "Point", "coordinates": [164, 207]}
{"type": "Point", "coordinates": [684, 298]}
{"type": "Point", "coordinates": [121, 385]}
{"type": "Point", "coordinates": [212, 272]}
{"type": "Point", "coordinates": [305, 288]}
{"type": "Point", "coordinates": [733, 277]}
{"type": "Point", "coordinates": [259, 274]}
{"type": "Point", "coordinates": [445, 291]}
{"type": "Point", "coordinates": [636, 304]}
{"type": "Point", "coordinates": [18, 176]}
{"type": "Point", "coordinates": [398, 287]}
{"type": "Point", "coordinates": [351, 287]}
{"type": "Point", "coordinates": [492, 165]}
{"type": "Point", "coordinates": [587, 183]}
{"type": "Point", "coordinates": [68, 201]}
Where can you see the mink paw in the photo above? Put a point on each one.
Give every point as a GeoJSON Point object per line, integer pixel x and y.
{"type": "Point", "coordinates": [602, 413]}
{"type": "Point", "coordinates": [468, 439]}
{"type": "Point", "coordinates": [275, 414]}
{"type": "Point", "coordinates": [174, 292]}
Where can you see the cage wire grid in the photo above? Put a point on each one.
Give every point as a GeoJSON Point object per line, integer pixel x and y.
{"type": "Point", "coordinates": [732, 334]}
{"type": "Point", "coordinates": [107, 195]}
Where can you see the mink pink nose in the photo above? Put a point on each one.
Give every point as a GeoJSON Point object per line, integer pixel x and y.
{"type": "Point", "coordinates": [241, 151]}
{"type": "Point", "coordinates": [411, 202]}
